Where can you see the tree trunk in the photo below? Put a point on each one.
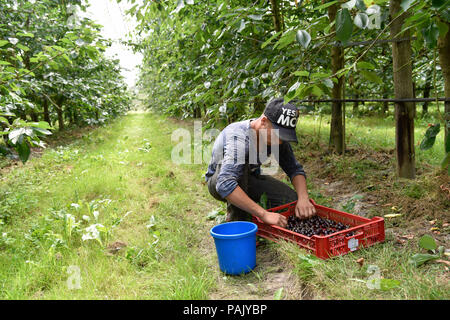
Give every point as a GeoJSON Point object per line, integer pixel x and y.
{"type": "Point", "coordinates": [197, 112]}
{"type": "Point", "coordinates": [34, 116]}
{"type": "Point", "coordinates": [59, 111]}
{"type": "Point", "coordinates": [23, 115]}
{"type": "Point", "coordinates": [414, 96]}
{"type": "Point", "coordinates": [444, 59]}
{"type": "Point", "coordinates": [403, 88]}
{"type": "Point", "coordinates": [355, 104]}
{"type": "Point", "coordinates": [426, 94]}
{"type": "Point", "coordinates": [385, 109]}
{"type": "Point", "coordinates": [75, 116]}
{"type": "Point", "coordinates": [46, 112]}
{"type": "Point", "coordinates": [336, 142]}
{"type": "Point", "coordinates": [276, 15]}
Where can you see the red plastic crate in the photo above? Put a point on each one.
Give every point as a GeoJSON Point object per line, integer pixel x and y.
{"type": "Point", "coordinates": [367, 232]}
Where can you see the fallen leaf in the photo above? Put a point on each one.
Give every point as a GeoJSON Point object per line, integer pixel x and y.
{"type": "Point", "coordinates": [443, 261]}
{"type": "Point", "coordinates": [407, 236]}
{"type": "Point", "coordinates": [392, 215]}
{"type": "Point", "coordinates": [115, 247]}
{"type": "Point", "coordinates": [360, 261]}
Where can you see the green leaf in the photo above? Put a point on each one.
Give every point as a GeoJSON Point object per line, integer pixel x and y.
{"type": "Point", "coordinates": [361, 5]}
{"type": "Point", "coordinates": [40, 124]}
{"type": "Point", "coordinates": [25, 34]}
{"type": "Point", "coordinates": [301, 73]}
{"type": "Point", "coordinates": [309, 258]}
{"type": "Point", "coordinates": [316, 91]}
{"type": "Point", "coordinates": [430, 137]}
{"type": "Point", "coordinates": [328, 83]}
{"type": "Point", "coordinates": [406, 4]}
{"type": "Point", "coordinates": [270, 39]}
{"type": "Point", "coordinates": [388, 284]}
{"type": "Point", "coordinates": [365, 65]}
{"type": "Point", "coordinates": [294, 86]}
{"type": "Point", "coordinates": [344, 25]}
{"type": "Point", "coordinates": [320, 75]}
{"type": "Point", "coordinates": [420, 258]}
{"type": "Point", "coordinates": [4, 63]}
{"type": "Point", "coordinates": [427, 242]}
{"type": "Point", "coordinates": [371, 76]}
{"type": "Point", "coordinates": [256, 17]}
{"type": "Point", "coordinates": [278, 73]}
{"type": "Point", "coordinates": [23, 149]}
{"type": "Point", "coordinates": [326, 5]}
{"type": "Point", "coordinates": [349, 4]}
{"type": "Point", "coordinates": [15, 135]}
{"type": "Point", "coordinates": [431, 34]}
{"type": "Point", "coordinates": [40, 131]}
{"type": "Point", "coordinates": [180, 5]}
{"type": "Point", "coordinates": [3, 43]}
{"type": "Point", "coordinates": [443, 28]}
{"type": "Point", "coordinates": [213, 214]}
{"type": "Point", "coordinates": [242, 25]}
{"type": "Point", "coordinates": [13, 41]}
{"type": "Point", "coordinates": [437, 3]}
{"type": "Point", "coordinates": [286, 39]}
{"type": "Point", "coordinates": [361, 20]}
{"type": "Point", "coordinates": [4, 150]}
{"type": "Point", "coordinates": [303, 38]}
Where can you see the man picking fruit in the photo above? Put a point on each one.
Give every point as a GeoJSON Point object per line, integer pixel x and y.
{"type": "Point", "coordinates": [234, 173]}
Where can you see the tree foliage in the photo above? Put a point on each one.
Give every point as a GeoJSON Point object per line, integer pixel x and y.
{"type": "Point", "coordinates": [52, 69]}
{"type": "Point", "coordinates": [222, 60]}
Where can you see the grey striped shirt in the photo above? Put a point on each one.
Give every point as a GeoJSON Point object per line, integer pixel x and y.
{"type": "Point", "coordinates": [231, 150]}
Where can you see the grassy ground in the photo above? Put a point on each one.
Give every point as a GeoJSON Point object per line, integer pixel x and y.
{"type": "Point", "coordinates": [154, 241]}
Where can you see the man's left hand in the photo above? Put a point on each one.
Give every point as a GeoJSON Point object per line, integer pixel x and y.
{"type": "Point", "coordinates": [304, 209]}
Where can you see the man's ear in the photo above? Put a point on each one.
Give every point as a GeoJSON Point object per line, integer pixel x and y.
{"type": "Point", "coordinates": [265, 122]}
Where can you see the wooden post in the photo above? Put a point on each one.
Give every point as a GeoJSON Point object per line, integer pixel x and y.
{"type": "Point", "coordinates": [336, 142]}
{"type": "Point", "coordinates": [403, 88]}
{"type": "Point", "coordinates": [444, 59]}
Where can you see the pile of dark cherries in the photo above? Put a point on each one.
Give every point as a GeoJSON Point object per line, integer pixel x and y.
{"type": "Point", "coordinates": [316, 225]}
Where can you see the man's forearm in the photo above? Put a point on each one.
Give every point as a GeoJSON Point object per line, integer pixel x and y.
{"type": "Point", "coordinates": [240, 199]}
{"type": "Point", "coordinates": [299, 183]}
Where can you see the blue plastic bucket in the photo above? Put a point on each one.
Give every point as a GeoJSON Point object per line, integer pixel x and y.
{"type": "Point", "coordinates": [235, 246]}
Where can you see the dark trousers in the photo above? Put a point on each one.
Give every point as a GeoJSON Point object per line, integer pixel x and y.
{"type": "Point", "coordinates": [277, 192]}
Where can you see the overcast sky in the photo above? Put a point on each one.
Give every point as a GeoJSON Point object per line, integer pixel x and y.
{"type": "Point", "coordinates": [116, 25]}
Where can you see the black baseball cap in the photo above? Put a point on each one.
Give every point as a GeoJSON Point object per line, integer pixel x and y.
{"type": "Point", "coordinates": [284, 118]}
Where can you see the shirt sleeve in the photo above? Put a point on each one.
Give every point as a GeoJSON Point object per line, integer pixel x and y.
{"type": "Point", "coordinates": [288, 162]}
{"type": "Point", "coordinates": [232, 167]}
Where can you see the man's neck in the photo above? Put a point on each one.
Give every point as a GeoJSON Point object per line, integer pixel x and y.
{"type": "Point", "coordinates": [256, 125]}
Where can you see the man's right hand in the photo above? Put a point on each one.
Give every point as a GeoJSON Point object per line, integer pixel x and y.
{"type": "Point", "coordinates": [274, 218]}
